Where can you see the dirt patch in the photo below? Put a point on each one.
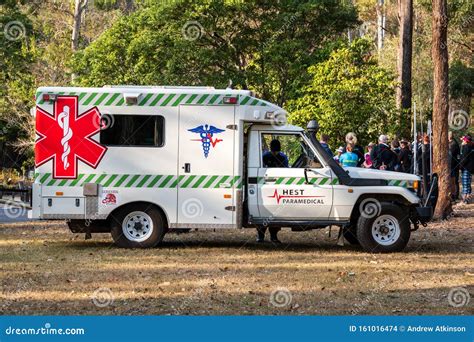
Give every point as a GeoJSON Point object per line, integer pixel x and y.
{"type": "Point", "coordinates": [47, 270]}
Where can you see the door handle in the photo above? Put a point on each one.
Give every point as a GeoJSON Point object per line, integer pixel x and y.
{"type": "Point", "coordinates": [270, 179]}
{"type": "Point", "coordinates": [187, 167]}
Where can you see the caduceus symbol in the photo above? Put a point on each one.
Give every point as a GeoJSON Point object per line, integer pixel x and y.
{"type": "Point", "coordinates": [63, 122]}
{"type": "Point", "coordinates": [206, 132]}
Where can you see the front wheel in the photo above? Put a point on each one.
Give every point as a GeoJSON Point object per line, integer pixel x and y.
{"type": "Point", "coordinates": [387, 231]}
{"type": "Point", "coordinates": [138, 226]}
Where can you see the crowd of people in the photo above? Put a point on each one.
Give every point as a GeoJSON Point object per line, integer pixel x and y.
{"type": "Point", "coordinates": [398, 155]}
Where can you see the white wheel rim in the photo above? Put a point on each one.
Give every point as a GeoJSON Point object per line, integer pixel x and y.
{"type": "Point", "coordinates": [386, 230]}
{"type": "Point", "coordinates": [137, 226]}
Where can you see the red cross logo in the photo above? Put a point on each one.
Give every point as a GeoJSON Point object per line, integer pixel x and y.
{"type": "Point", "coordinates": [65, 137]}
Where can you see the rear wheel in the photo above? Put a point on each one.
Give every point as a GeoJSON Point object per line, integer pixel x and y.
{"type": "Point", "coordinates": [387, 231]}
{"type": "Point", "coordinates": [138, 226]}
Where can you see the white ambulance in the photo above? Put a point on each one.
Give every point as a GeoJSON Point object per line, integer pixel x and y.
{"type": "Point", "coordinates": [140, 161]}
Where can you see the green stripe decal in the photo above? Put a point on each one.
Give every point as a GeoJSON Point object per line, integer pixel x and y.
{"type": "Point", "coordinates": [176, 182]}
{"type": "Point", "coordinates": [221, 181]}
{"type": "Point", "coordinates": [81, 96]}
{"type": "Point", "coordinates": [102, 98]}
{"type": "Point", "coordinates": [178, 100]}
{"type": "Point", "coordinates": [112, 99]}
{"type": "Point", "coordinates": [208, 184]}
{"type": "Point", "coordinates": [199, 181]}
{"type": "Point", "coordinates": [334, 181]}
{"type": "Point", "coordinates": [77, 180]}
{"type": "Point", "coordinates": [203, 98]}
{"type": "Point", "coordinates": [63, 182]}
{"type": "Point", "coordinates": [254, 103]}
{"type": "Point", "coordinates": [168, 99]}
{"type": "Point", "coordinates": [213, 99]}
{"type": "Point", "coordinates": [290, 181]}
{"type": "Point", "coordinates": [145, 99]}
{"type": "Point", "coordinates": [120, 181]}
{"type": "Point", "coordinates": [323, 181]}
{"type": "Point", "coordinates": [44, 178]}
{"type": "Point", "coordinates": [154, 181]}
{"type": "Point", "coordinates": [121, 102]}
{"type": "Point", "coordinates": [110, 180]}
{"type": "Point", "coordinates": [130, 183]}
{"type": "Point", "coordinates": [245, 100]}
{"type": "Point", "coordinates": [165, 181]}
{"type": "Point", "coordinates": [301, 181]}
{"type": "Point", "coordinates": [89, 100]}
{"type": "Point", "coordinates": [188, 181]}
{"type": "Point", "coordinates": [143, 181]}
{"type": "Point", "coordinates": [101, 177]}
{"type": "Point", "coordinates": [191, 98]}
{"type": "Point", "coordinates": [155, 101]}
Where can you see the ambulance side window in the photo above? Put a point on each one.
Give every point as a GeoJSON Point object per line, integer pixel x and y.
{"type": "Point", "coordinates": [133, 130]}
{"type": "Point", "coordinates": [292, 147]}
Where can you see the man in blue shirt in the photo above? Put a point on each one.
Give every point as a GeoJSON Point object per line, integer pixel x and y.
{"type": "Point", "coordinates": [274, 157]}
{"type": "Point", "coordinates": [324, 144]}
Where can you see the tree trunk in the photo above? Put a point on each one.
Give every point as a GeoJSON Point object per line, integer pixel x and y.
{"type": "Point", "coordinates": [380, 25]}
{"type": "Point", "coordinates": [79, 7]}
{"type": "Point", "coordinates": [404, 62]}
{"type": "Point", "coordinates": [439, 52]}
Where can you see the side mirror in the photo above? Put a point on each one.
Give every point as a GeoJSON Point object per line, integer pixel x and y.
{"type": "Point", "coordinates": [313, 127]}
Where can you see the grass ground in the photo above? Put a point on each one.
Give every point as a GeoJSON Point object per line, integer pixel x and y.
{"type": "Point", "coordinates": [45, 269]}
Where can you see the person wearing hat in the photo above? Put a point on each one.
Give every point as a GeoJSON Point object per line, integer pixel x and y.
{"type": "Point", "coordinates": [339, 152]}
{"type": "Point", "coordinates": [466, 164]}
{"type": "Point", "coordinates": [405, 156]}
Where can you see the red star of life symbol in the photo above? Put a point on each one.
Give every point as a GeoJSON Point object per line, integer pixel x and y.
{"type": "Point", "coordinates": [65, 137]}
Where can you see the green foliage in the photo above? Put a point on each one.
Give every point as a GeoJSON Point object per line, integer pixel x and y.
{"type": "Point", "coordinates": [260, 45]}
{"type": "Point", "coordinates": [461, 80]}
{"type": "Point", "coordinates": [16, 56]}
{"type": "Point", "coordinates": [348, 93]}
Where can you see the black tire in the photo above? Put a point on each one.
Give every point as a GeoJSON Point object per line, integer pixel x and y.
{"type": "Point", "coordinates": [384, 219]}
{"type": "Point", "coordinates": [124, 239]}
{"type": "Point", "coordinates": [350, 234]}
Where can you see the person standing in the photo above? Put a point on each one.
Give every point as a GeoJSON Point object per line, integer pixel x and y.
{"type": "Point", "coordinates": [349, 158]}
{"type": "Point", "coordinates": [405, 156]}
{"type": "Point", "coordinates": [383, 158]}
{"type": "Point", "coordinates": [272, 158]}
{"type": "Point", "coordinates": [324, 144]}
{"type": "Point", "coordinates": [467, 167]}
{"type": "Point", "coordinates": [454, 152]}
{"type": "Point", "coordinates": [351, 139]}
{"type": "Point", "coordinates": [367, 161]}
